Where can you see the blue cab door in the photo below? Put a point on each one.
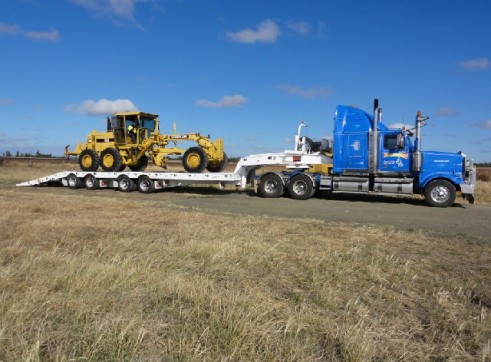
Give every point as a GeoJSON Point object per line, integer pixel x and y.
{"type": "Point", "coordinates": [393, 158]}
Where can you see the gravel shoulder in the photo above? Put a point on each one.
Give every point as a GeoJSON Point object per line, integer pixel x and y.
{"type": "Point", "coordinates": [472, 222]}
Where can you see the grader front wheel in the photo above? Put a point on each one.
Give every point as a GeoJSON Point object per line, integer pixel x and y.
{"type": "Point", "coordinates": [89, 160]}
{"type": "Point", "coordinates": [195, 160]}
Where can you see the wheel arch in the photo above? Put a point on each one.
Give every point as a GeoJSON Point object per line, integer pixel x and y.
{"type": "Point", "coordinates": [427, 181]}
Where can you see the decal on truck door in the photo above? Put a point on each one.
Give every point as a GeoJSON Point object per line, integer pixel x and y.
{"type": "Point", "coordinates": [394, 159]}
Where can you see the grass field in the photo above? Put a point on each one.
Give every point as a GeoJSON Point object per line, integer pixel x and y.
{"type": "Point", "coordinates": [118, 277]}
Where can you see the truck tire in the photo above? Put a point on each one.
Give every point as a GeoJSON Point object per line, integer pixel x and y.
{"type": "Point", "coordinates": [271, 186]}
{"type": "Point", "coordinates": [111, 160]}
{"type": "Point", "coordinates": [141, 165]}
{"type": "Point", "coordinates": [125, 184]}
{"type": "Point", "coordinates": [145, 184]}
{"type": "Point", "coordinates": [440, 193]}
{"type": "Point", "coordinates": [300, 187]}
{"type": "Point", "coordinates": [91, 182]}
{"type": "Point", "coordinates": [89, 160]}
{"type": "Point", "coordinates": [195, 160]}
{"type": "Point", "coordinates": [218, 167]}
{"type": "Point", "coordinates": [73, 181]}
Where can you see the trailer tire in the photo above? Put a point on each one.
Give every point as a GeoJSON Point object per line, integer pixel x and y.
{"type": "Point", "coordinates": [91, 182]}
{"type": "Point", "coordinates": [125, 184]}
{"type": "Point", "coordinates": [440, 193]}
{"type": "Point", "coordinates": [218, 167]}
{"type": "Point", "coordinates": [300, 187]}
{"type": "Point", "coordinates": [111, 160]}
{"type": "Point", "coordinates": [89, 160]}
{"type": "Point", "coordinates": [145, 184]}
{"type": "Point", "coordinates": [73, 181]}
{"type": "Point", "coordinates": [271, 186]}
{"type": "Point", "coordinates": [195, 160]}
{"type": "Point", "coordinates": [141, 165]}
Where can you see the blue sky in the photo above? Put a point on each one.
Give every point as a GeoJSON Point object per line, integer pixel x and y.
{"type": "Point", "coordinates": [247, 71]}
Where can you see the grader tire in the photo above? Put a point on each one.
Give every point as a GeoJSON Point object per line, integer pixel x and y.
{"type": "Point", "coordinates": [89, 160]}
{"type": "Point", "coordinates": [111, 160]}
{"type": "Point", "coordinates": [218, 167]}
{"type": "Point", "coordinates": [141, 165]}
{"type": "Point", "coordinates": [195, 160]}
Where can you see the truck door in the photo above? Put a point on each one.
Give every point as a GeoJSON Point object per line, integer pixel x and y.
{"type": "Point", "coordinates": [355, 149]}
{"type": "Point", "coordinates": [394, 155]}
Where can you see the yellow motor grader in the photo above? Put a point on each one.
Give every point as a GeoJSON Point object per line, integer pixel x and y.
{"type": "Point", "coordinates": [132, 137]}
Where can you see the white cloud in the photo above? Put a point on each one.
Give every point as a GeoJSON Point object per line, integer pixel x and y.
{"type": "Point", "coordinates": [476, 64]}
{"type": "Point", "coordinates": [101, 107]}
{"type": "Point", "coordinates": [266, 32]}
{"type": "Point", "coordinates": [16, 30]}
{"type": "Point", "coordinates": [446, 112]}
{"type": "Point", "coordinates": [483, 124]}
{"type": "Point", "coordinates": [224, 102]}
{"type": "Point", "coordinates": [314, 92]}
{"type": "Point", "coordinates": [300, 27]}
{"type": "Point", "coordinates": [121, 12]}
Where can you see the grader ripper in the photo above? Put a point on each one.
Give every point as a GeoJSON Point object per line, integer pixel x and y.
{"type": "Point", "coordinates": [132, 137]}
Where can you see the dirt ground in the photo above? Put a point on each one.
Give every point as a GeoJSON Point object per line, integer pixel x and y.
{"type": "Point", "coordinates": [462, 220]}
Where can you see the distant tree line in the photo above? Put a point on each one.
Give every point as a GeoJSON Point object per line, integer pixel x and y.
{"type": "Point", "coordinates": [27, 154]}
{"type": "Point", "coordinates": [483, 164]}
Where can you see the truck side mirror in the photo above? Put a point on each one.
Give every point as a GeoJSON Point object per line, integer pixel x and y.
{"type": "Point", "coordinates": [401, 141]}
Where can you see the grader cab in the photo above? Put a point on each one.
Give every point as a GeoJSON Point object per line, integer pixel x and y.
{"type": "Point", "coordinates": [131, 138]}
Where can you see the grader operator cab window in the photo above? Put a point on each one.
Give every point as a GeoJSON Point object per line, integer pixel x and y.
{"type": "Point", "coordinates": [148, 123]}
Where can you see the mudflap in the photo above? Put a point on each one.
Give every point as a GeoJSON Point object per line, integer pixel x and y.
{"type": "Point", "coordinates": [469, 198]}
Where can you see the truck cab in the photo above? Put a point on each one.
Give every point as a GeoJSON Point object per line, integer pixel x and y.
{"type": "Point", "coordinates": [370, 157]}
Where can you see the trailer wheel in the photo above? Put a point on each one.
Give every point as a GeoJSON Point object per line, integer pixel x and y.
{"type": "Point", "coordinates": [125, 184]}
{"type": "Point", "coordinates": [218, 167]}
{"type": "Point", "coordinates": [73, 181]}
{"type": "Point", "coordinates": [440, 193]}
{"type": "Point", "coordinates": [195, 160]}
{"type": "Point", "coordinates": [91, 182]}
{"type": "Point", "coordinates": [111, 160]}
{"type": "Point", "coordinates": [145, 184]}
{"type": "Point", "coordinates": [141, 165]}
{"type": "Point", "coordinates": [89, 160]}
{"type": "Point", "coordinates": [271, 185]}
{"type": "Point", "coordinates": [300, 187]}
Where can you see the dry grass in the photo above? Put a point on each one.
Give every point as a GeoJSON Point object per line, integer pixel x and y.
{"type": "Point", "coordinates": [77, 282]}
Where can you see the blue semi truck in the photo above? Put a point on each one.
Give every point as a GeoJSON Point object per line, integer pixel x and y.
{"type": "Point", "coordinates": [368, 157]}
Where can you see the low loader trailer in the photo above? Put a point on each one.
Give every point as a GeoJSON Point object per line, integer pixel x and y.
{"type": "Point", "coordinates": [366, 157]}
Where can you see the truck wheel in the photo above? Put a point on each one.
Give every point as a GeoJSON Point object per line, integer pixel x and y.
{"type": "Point", "coordinates": [141, 165]}
{"type": "Point", "coordinates": [111, 160]}
{"type": "Point", "coordinates": [145, 184]}
{"type": "Point", "coordinates": [89, 160]}
{"type": "Point", "coordinates": [73, 181]}
{"type": "Point", "coordinates": [195, 160]}
{"type": "Point", "coordinates": [271, 185]}
{"type": "Point", "coordinates": [125, 184]}
{"type": "Point", "coordinates": [219, 166]}
{"type": "Point", "coordinates": [91, 182]}
{"type": "Point", "coordinates": [439, 193]}
{"type": "Point", "coordinates": [300, 187]}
